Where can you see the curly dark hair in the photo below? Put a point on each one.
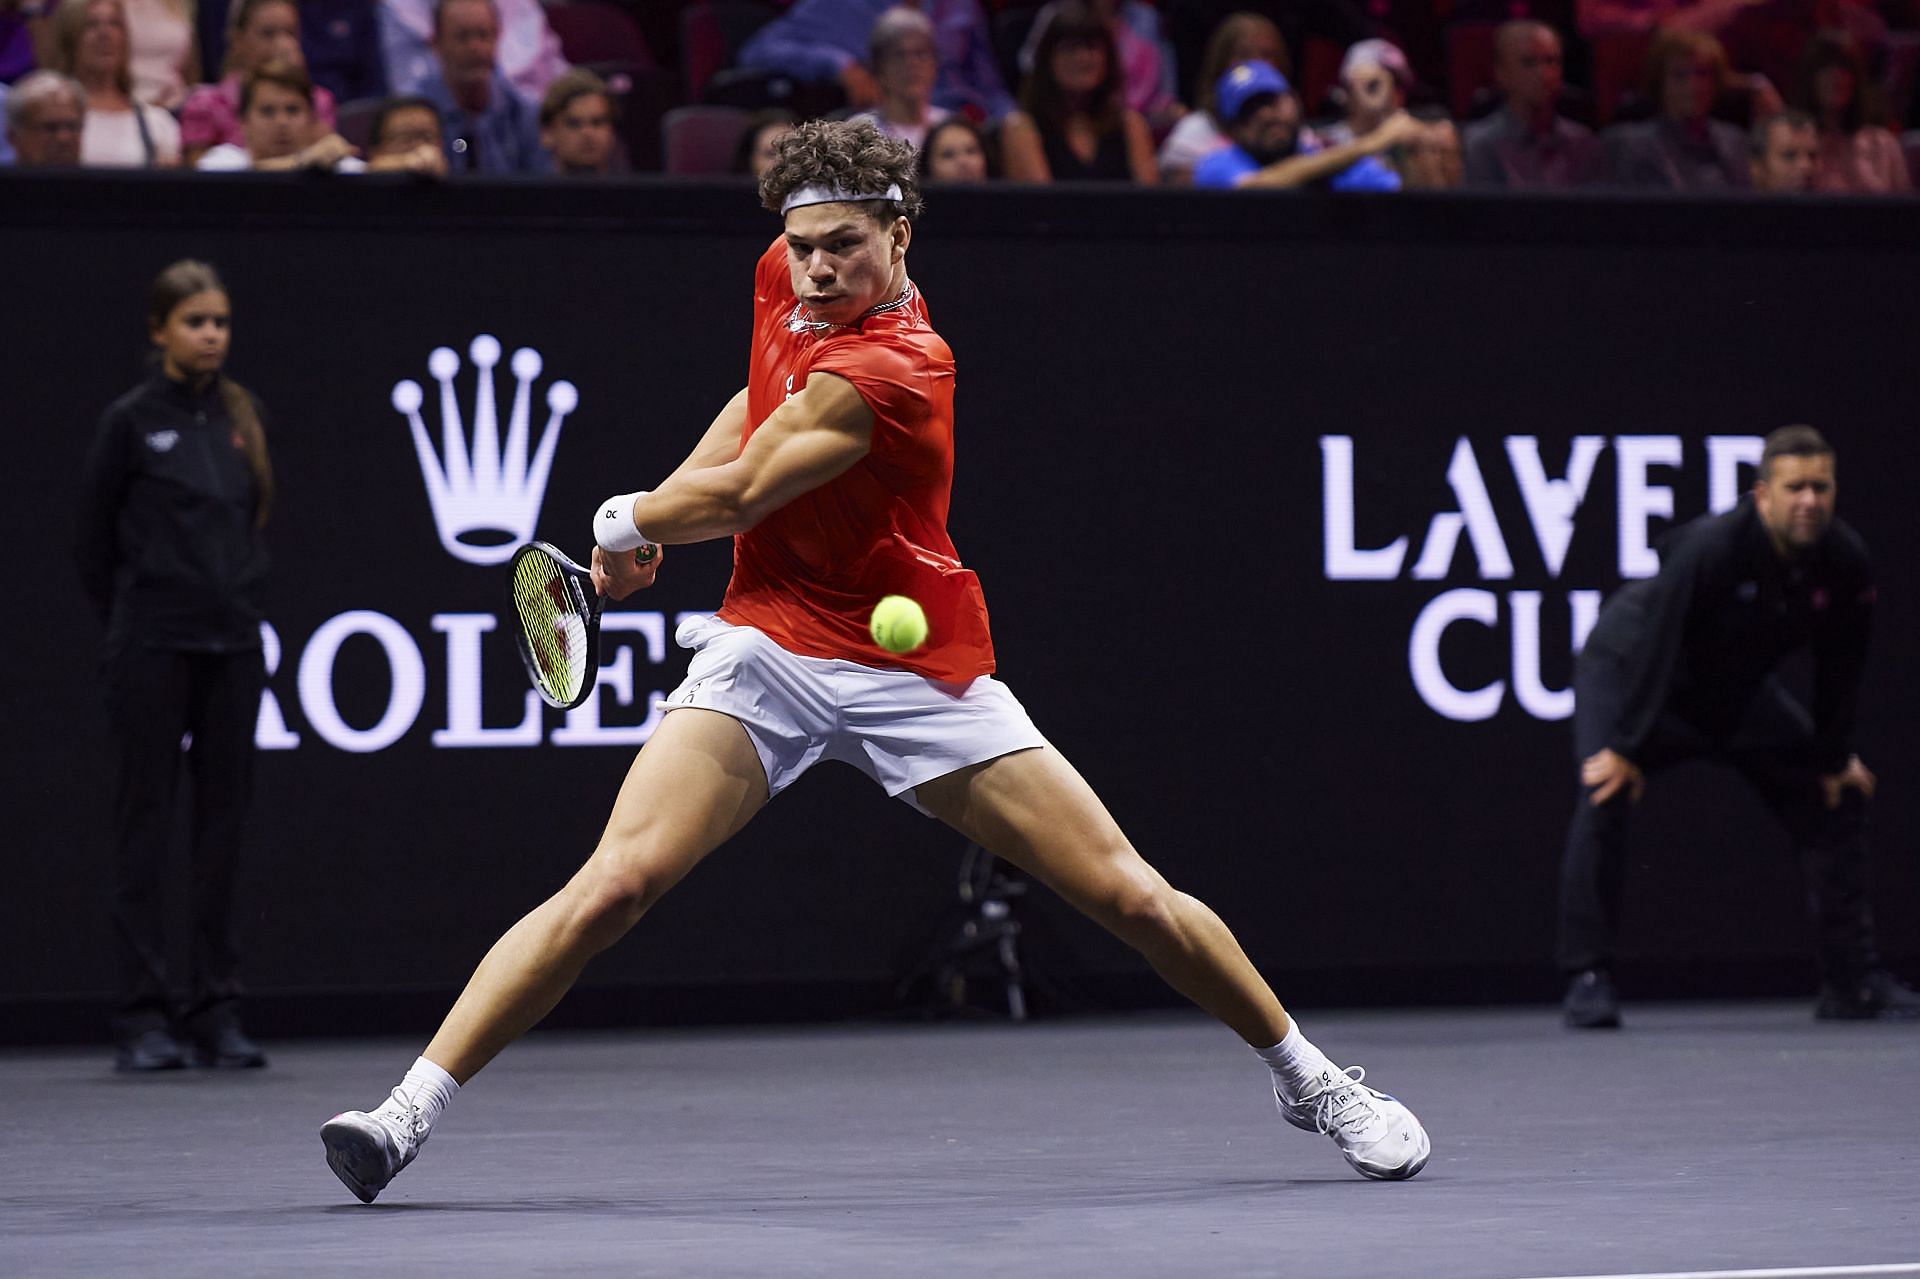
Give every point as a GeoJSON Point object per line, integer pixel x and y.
{"type": "Point", "coordinates": [851, 155]}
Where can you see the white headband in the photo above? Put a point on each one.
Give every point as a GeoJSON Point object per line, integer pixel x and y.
{"type": "Point", "coordinates": [816, 193]}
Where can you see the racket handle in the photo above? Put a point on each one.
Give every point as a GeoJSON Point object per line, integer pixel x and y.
{"type": "Point", "coordinates": [646, 553]}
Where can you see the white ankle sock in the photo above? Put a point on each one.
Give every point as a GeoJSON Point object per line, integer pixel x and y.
{"type": "Point", "coordinates": [1295, 1062]}
{"type": "Point", "coordinates": [428, 1087]}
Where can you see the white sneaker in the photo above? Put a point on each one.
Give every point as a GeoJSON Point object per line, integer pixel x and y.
{"type": "Point", "coordinates": [368, 1150]}
{"type": "Point", "coordinates": [1378, 1135]}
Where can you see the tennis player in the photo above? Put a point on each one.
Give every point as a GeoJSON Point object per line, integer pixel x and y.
{"type": "Point", "coordinates": [831, 471]}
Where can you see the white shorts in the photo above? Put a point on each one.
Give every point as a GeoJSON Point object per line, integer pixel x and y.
{"type": "Point", "coordinates": [899, 728]}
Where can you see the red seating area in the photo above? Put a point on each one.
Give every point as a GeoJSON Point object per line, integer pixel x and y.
{"type": "Point", "coordinates": [593, 31]}
{"type": "Point", "coordinates": [702, 139]}
{"type": "Point", "coordinates": [673, 64]}
{"type": "Point", "coordinates": [687, 50]}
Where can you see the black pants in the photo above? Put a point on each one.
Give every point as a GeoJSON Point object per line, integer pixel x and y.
{"type": "Point", "coordinates": [154, 699]}
{"type": "Point", "coordinates": [1773, 748]}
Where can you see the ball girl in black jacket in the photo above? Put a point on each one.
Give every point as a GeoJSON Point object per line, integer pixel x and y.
{"type": "Point", "coordinates": [177, 489]}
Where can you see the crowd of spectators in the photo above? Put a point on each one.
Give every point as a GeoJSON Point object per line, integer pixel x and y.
{"type": "Point", "coordinates": [1674, 95]}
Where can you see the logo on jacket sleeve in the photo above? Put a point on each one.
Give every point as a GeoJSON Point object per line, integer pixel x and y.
{"type": "Point", "coordinates": [162, 441]}
{"type": "Point", "coordinates": [486, 494]}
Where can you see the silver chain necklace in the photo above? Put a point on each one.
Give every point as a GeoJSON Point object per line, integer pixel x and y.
{"type": "Point", "coordinates": [798, 321]}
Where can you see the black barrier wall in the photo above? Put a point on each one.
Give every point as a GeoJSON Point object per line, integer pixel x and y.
{"type": "Point", "coordinates": [1290, 514]}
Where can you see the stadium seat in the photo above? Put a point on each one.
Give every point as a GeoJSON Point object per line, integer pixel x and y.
{"type": "Point", "coordinates": [711, 33]}
{"type": "Point", "coordinates": [354, 120]}
{"type": "Point", "coordinates": [1469, 64]}
{"type": "Point", "coordinates": [1010, 28]}
{"type": "Point", "coordinates": [1619, 62]}
{"type": "Point", "coordinates": [702, 139]}
{"type": "Point", "coordinates": [591, 31]}
{"type": "Point", "coordinates": [1319, 74]}
{"type": "Point", "coordinates": [1902, 74]}
{"type": "Point", "coordinates": [754, 90]}
{"type": "Point", "coordinates": [641, 96]}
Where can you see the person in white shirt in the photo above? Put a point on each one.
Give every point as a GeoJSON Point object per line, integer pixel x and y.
{"type": "Point", "coordinates": [277, 121]}
{"type": "Point", "coordinates": [90, 44]}
{"type": "Point", "coordinates": [904, 66]}
{"type": "Point", "coordinates": [1241, 37]}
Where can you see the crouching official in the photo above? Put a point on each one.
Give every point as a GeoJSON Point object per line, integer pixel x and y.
{"type": "Point", "coordinates": [1682, 666]}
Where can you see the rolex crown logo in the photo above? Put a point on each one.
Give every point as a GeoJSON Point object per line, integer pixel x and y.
{"type": "Point", "coordinates": [486, 497]}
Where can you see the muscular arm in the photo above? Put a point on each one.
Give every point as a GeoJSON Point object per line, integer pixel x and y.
{"type": "Point", "coordinates": [722, 490]}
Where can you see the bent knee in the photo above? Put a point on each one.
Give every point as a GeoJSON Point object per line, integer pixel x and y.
{"type": "Point", "coordinates": [1139, 905]}
{"type": "Point", "coordinates": [604, 909]}
{"type": "Point", "coordinates": [611, 892]}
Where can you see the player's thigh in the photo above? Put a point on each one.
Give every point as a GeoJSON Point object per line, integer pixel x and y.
{"type": "Point", "coordinates": [693, 786]}
{"type": "Point", "coordinates": [1033, 809]}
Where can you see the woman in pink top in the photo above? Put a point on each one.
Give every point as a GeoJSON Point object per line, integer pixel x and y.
{"type": "Point", "coordinates": [1857, 155]}
{"type": "Point", "coordinates": [161, 51]}
{"type": "Point", "coordinates": [259, 32]}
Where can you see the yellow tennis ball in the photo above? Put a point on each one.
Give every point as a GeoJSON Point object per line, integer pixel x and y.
{"type": "Point", "coordinates": [899, 625]}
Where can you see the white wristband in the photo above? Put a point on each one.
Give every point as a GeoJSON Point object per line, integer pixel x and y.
{"type": "Point", "coordinates": [613, 526]}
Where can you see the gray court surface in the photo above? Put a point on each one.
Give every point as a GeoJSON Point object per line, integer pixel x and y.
{"type": "Point", "coordinates": [1702, 1138]}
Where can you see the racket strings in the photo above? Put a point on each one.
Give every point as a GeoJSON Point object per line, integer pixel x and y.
{"type": "Point", "coordinates": [554, 627]}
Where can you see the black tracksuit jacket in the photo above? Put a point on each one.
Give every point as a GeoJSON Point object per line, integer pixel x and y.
{"type": "Point", "coordinates": [167, 547]}
{"type": "Point", "coordinates": [1701, 638]}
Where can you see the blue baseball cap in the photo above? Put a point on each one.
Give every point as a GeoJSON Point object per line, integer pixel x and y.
{"type": "Point", "coordinates": [1242, 83]}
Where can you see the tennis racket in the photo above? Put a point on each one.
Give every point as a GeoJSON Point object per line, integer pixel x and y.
{"type": "Point", "coordinates": [558, 616]}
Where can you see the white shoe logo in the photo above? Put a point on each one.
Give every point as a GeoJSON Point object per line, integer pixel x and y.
{"type": "Point", "coordinates": [486, 497]}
